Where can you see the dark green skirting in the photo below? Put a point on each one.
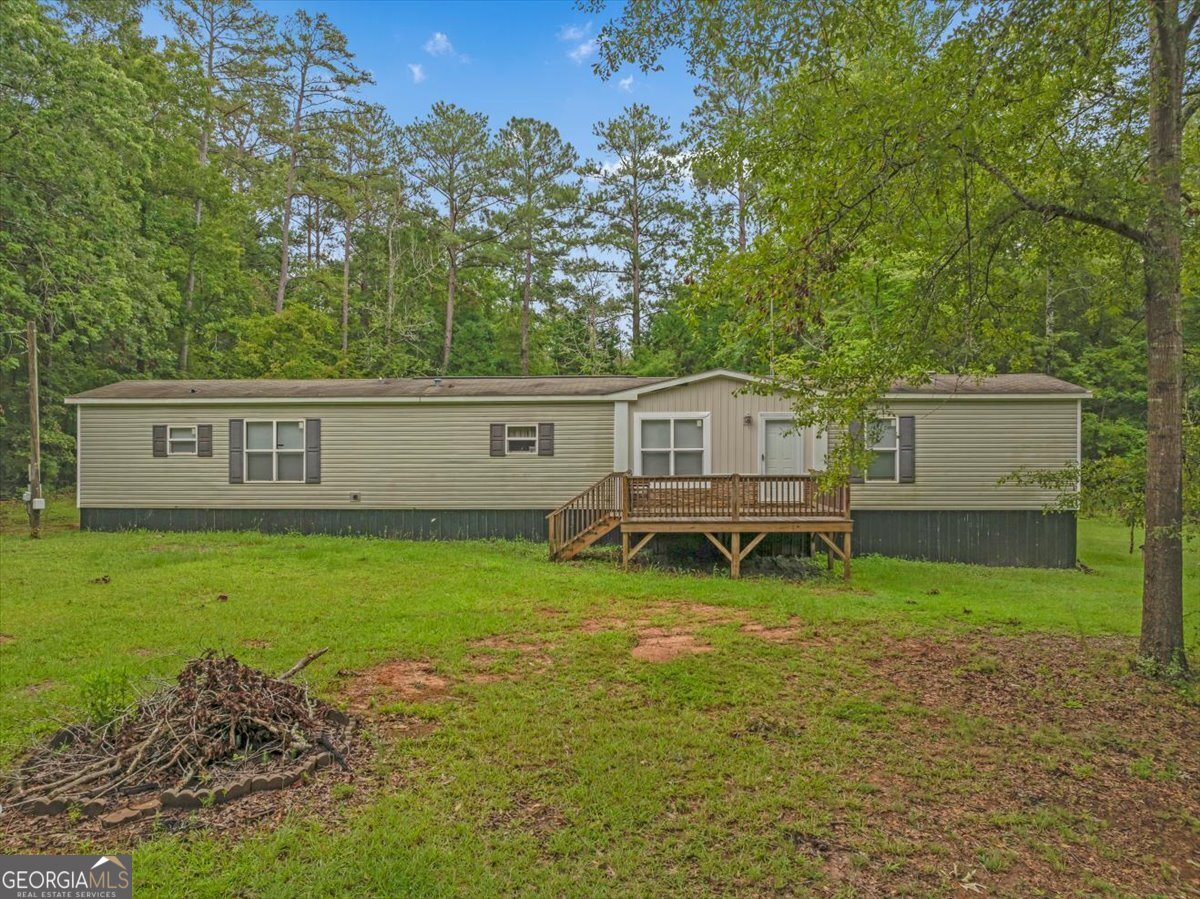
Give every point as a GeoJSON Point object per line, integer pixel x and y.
{"type": "Point", "coordinates": [1024, 538]}
{"type": "Point", "coordinates": [410, 524]}
{"type": "Point", "coordinates": [1013, 538]}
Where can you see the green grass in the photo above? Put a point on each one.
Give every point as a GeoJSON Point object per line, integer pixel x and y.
{"type": "Point", "coordinates": [595, 772]}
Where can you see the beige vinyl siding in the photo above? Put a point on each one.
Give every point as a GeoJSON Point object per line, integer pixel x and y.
{"type": "Point", "coordinates": [408, 456]}
{"type": "Point", "coordinates": [964, 446]}
{"type": "Point", "coordinates": [734, 443]}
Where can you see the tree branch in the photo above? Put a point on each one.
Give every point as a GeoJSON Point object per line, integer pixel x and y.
{"type": "Point", "coordinates": [1189, 110]}
{"type": "Point", "coordinates": [1058, 210]}
{"type": "Point", "coordinates": [1192, 18]}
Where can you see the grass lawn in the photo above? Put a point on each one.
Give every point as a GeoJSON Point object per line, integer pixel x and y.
{"type": "Point", "coordinates": [568, 729]}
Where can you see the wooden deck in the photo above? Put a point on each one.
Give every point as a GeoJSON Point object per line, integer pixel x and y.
{"type": "Point", "coordinates": [737, 505]}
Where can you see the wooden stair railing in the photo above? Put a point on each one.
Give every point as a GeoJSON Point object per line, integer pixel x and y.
{"type": "Point", "coordinates": [586, 517]}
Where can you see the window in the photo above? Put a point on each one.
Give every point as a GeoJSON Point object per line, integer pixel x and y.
{"type": "Point", "coordinates": [674, 445]}
{"type": "Point", "coordinates": [883, 440]}
{"type": "Point", "coordinates": [274, 451]}
{"type": "Point", "coordinates": [520, 439]}
{"type": "Point", "coordinates": [181, 441]}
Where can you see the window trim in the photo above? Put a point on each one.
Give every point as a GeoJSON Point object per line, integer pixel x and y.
{"type": "Point", "coordinates": [194, 440]}
{"type": "Point", "coordinates": [530, 452]}
{"type": "Point", "coordinates": [706, 440]}
{"type": "Point", "coordinates": [274, 451]}
{"type": "Point", "coordinates": [875, 448]}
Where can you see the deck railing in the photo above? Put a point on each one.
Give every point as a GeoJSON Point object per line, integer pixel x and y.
{"type": "Point", "coordinates": [733, 497]}
{"type": "Point", "coordinates": [598, 502]}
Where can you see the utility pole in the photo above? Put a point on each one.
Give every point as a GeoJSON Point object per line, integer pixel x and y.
{"type": "Point", "coordinates": [34, 498]}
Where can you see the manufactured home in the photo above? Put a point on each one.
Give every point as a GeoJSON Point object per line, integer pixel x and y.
{"type": "Point", "coordinates": [573, 459]}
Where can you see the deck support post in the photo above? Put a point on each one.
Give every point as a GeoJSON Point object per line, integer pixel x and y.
{"type": "Point", "coordinates": [625, 549]}
{"type": "Point", "coordinates": [637, 547]}
{"type": "Point", "coordinates": [735, 558]}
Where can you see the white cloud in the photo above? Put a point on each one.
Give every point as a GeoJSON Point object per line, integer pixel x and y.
{"type": "Point", "coordinates": [418, 72]}
{"type": "Point", "coordinates": [583, 50]}
{"type": "Point", "coordinates": [439, 45]}
{"type": "Point", "coordinates": [626, 84]}
{"type": "Point", "coordinates": [574, 32]}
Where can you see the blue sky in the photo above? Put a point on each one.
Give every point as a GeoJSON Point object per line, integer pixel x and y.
{"type": "Point", "coordinates": [504, 59]}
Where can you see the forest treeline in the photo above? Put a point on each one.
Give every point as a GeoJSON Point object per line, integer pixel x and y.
{"type": "Point", "coordinates": [223, 203]}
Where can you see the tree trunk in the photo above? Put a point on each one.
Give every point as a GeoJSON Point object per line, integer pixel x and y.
{"type": "Point", "coordinates": [391, 282]}
{"type": "Point", "coordinates": [316, 205]}
{"type": "Point", "coordinates": [451, 291]}
{"type": "Point", "coordinates": [1162, 590]}
{"type": "Point", "coordinates": [525, 301]}
{"type": "Point", "coordinates": [189, 291]}
{"type": "Point", "coordinates": [635, 282]}
{"type": "Point", "coordinates": [286, 224]}
{"type": "Point", "coordinates": [346, 292]}
{"type": "Point", "coordinates": [741, 212]}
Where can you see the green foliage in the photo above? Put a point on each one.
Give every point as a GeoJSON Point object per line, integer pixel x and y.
{"type": "Point", "coordinates": [300, 342]}
{"type": "Point", "coordinates": [107, 694]}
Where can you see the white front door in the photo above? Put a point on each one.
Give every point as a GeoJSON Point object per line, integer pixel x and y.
{"type": "Point", "coordinates": [781, 454]}
{"type": "Point", "coordinates": [781, 447]}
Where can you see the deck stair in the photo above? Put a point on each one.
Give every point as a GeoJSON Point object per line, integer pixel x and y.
{"type": "Point", "coordinates": [585, 518]}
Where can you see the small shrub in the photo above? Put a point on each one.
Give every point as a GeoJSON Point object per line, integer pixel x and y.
{"type": "Point", "coordinates": [106, 695]}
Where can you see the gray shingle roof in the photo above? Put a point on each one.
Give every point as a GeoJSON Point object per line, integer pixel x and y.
{"type": "Point", "coordinates": [431, 388]}
{"type": "Point", "coordinates": [1029, 383]}
{"type": "Point", "coordinates": [499, 388]}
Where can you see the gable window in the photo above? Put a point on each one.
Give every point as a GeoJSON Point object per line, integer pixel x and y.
{"type": "Point", "coordinates": [274, 451]}
{"type": "Point", "coordinates": [519, 439]}
{"type": "Point", "coordinates": [883, 441]}
{"type": "Point", "coordinates": [181, 440]}
{"type": "Point", "coordinates": [675, 444]}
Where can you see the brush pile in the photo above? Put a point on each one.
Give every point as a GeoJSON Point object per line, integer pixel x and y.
{"type": "Point", "coordinates": [220, 721]}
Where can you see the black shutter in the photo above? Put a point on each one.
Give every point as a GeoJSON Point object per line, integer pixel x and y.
{"type": "Point", "coordinates": [497, 440]}
{"type": "Point", "coordinates": [312, 450]}
{"type": "Point", "coordinates": [237, 430]}
{"type": "Point", "coordinates": [160, 440]}
{"type": "Point", "coordinates": [545, 438]}
{"type": "Point", "coordinates": [204, 440]}
{"type": "Point", "coordinates": [908, 447]}
{"type": "Point", "coordinates": [856, 429]}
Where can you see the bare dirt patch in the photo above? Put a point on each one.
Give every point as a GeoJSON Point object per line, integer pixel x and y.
{"type": "Point", "coordinates": [692, 614]}
{"type": "Point", "coordinates": [660, 645]}
{"type": "Point", "coordinates": [400, 680]}
{"type": "Point", "coordinates": [781, 634]}
{"type": "Point", "coordinates": [257, 644]}
{"type": "Point", "coordinates": [6, 638]}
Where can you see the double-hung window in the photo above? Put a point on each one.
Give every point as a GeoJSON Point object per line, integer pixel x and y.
{"type": "Point", "coordinates": [274, 450]}
{"type": "Point", "coordinates": [520, 439]}
{"type": "Point", "coordinates": [181, 440]}
{"type": "Point", "coordinates": [883, 440]}
{"type": "Point", "coordinates": [673, 445]}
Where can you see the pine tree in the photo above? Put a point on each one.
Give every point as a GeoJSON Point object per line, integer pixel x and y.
{"type": "Point", "coordinates": [455, 166]}
{"type": "Point", "coordinates": [540, 218]}
{"type": "Point", "coordinates": [637, 205]}
{"type": "Point", "coordinates": [318, 74]}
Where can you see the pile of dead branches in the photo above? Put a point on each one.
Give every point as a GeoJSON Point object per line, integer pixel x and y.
{"type": "Point", "coordinates": [220, 717]}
